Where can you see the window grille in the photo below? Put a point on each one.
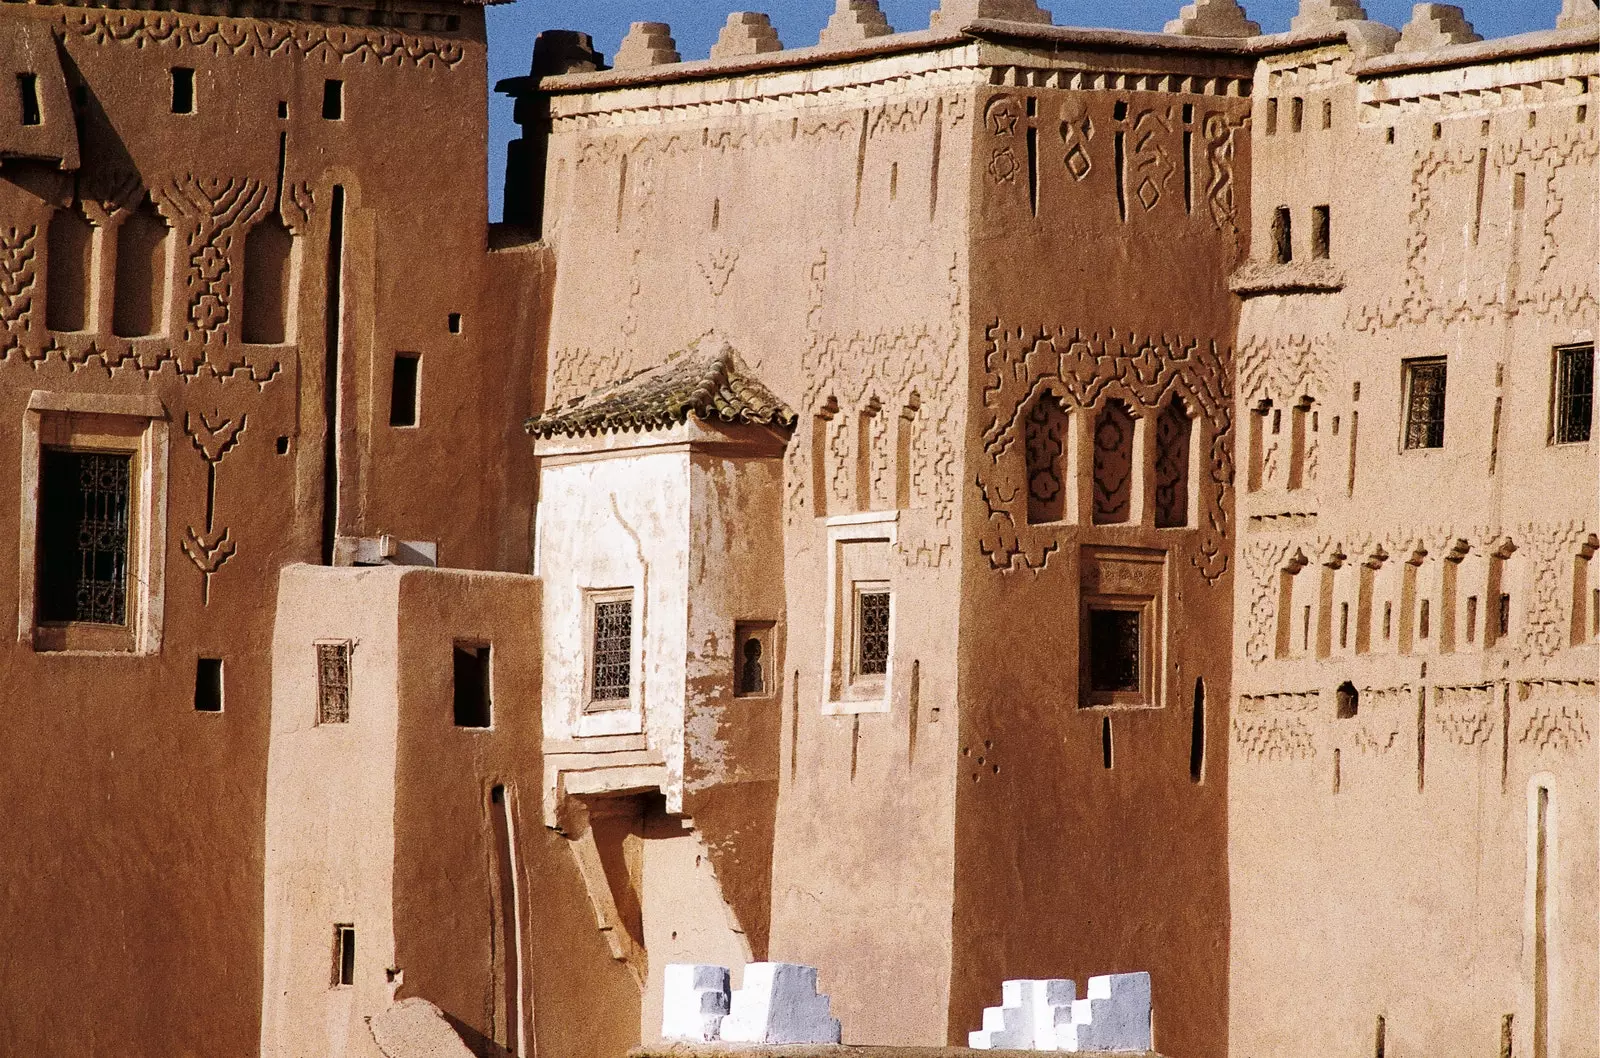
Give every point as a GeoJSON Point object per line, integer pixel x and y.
{"type": "Point", "coordinates": [613, 651]}
{"type": "Point", "coordinates": [1425, 387]}
{"type": "Point", "coordinates": [1114, 651]}
{"type": "Point", "coordinates": [333, 683]}
{"type": "Point", "coordinates": [1574, 394]}
{"type": "Point", "coordinates": [872, 633]}
{"type": "Point", "coordinates": [83, 536]}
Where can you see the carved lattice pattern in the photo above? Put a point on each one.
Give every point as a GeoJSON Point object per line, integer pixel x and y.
{"type": "Point", "coordinates": [1045, 437]}
{"type": "Point", "coordinates": [1425, 385]}
{"type": "Point", "coordinates": [83, 533]}
{"type": "Point", "coordinates": [1172, 466]}
{"type": "Point", "coordinates": [613, 651]}
{"type": "Point", "coordinates": [1113, 464]}
{"type": "Point", "coordinates": [872, 633]}
{"type": "Point", "coordinates": [333, 682]}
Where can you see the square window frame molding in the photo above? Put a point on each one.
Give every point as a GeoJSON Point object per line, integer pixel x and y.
{"type": "Point", "coordinates": [842, 529]}
{"type": "Point", "coordinates": [619, 717]}
{"type": "Point", "coordinates": [1107, 576]}
{"type": "Point", "coordinates": [147, 594]}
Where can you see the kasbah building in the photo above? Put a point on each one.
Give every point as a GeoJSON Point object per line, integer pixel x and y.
{"type": "Point", "coordinates": [989, 501]}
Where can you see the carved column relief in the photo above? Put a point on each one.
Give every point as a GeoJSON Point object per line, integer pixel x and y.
{"type": "Point", "coordinates": [213, 211]}
{"type": "Point", "coordinates": [209, 549]}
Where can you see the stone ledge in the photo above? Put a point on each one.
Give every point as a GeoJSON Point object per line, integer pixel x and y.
{"type": "Point", "coordinates": [1255, 278]}
{"type": "Point", "coordinates": [689, 1049]}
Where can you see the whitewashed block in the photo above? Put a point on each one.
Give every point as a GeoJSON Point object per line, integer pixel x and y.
{"type": "Point", "coordinates": [1114, 1015]}
{"type": "Point", "coordinates": [779, 1004]}
{"type": "Point", "coordinates": [1027, 1017]}
{"type": "Point", "coordinates": [695, 1001]}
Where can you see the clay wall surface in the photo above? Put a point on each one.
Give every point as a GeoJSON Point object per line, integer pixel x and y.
{"type": "Point", "coordinates": [160, 886]}
{"type": "Point", "coordinates": [1091, 834]}
{"type": "Point", "coordinates": [812, 219]}
{"type": "Point", "coordinates": [1397, 872]}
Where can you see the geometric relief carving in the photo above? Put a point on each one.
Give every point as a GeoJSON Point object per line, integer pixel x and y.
{"type": "Point", "coordinates": [1151, 162]}
{"type": "Point", "coordinates": [1113, 464]}
{"type": "Point", "coordinates": [1089, 370]}
{"type": "Point", "coordinates": [1276, 727]}
{"type": "Point", "coordinates": [1048, 476]}
{"type": "Point", "coordinates": [18, 270]}
{"type": "Point", "coordinates": [1220, 131]}
{"type": "Point", "coordinates": [209, 549]}
{"type": "Point", "coordinates": [212, 210]}
{"type": "Point", "coordinates": [1465, 715]}
{"type": "Point", "coordinates": [1556, 722]}
{"type": "Point", "coordinates": [1077, 132]}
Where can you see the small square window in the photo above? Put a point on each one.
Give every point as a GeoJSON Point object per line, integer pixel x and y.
{"type": "Point", "coordinates": [474, 706]}
{"type": "Point", "coordinates": [208, 685]}
{"type": "Point", "coordinates": [611, 657]}
{"type": "Point", "coordinates": [333, 682]}
{"type": "Point", "coordinates": [1574, 394]}
{"type": "Point", "coordinates": [453, 320]}
{"type": "Point", "coordinates": [1424, 395]}
{"type": "Point", "coordinates": [182, 90]}
{"type": "Point", "coordinates": [333, 100]}
{"type": "Point", "coordinates": [344, 955]}
{"type": "Point", "coordinates": [872, 632]}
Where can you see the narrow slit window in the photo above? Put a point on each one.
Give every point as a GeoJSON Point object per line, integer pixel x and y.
{"type": "Point", "coordinates": [344, 955]}
{"type": "Point", "coordinates": [474, 706]}
{"type": "Point", "coordinates": [1503, 618]}
{"type": "Point", "coordinates": [612, 679]}
{"type": "Point", "coordinates": [872, 633]}
{"type": "Point", "coordinates": [1425, 403]}
{"type": "Point", "coordinates": [1282, 236]}
{"type": "Point", "coordinates": [1272, 117]}
{"type": "Point", "coordinates": [1574, 396]}
{"type": "Point", "coordinates": [1472, 618]}
{"type": "Point", "coordinates": [333, 100]}
{"type": "Point", "coordinates": [28, 92]}
{"type": "Point", "coordinates": [1422, 621]}
{"type": "Point", "coordinates": [1297, 114]}
{"type": "Point", "coordinates": [333, 682]}
{"type": "Point", "coordinates": [208, 685]}
{"type": "Point", "coordinates": [182, 90]}
{"type": "Point", "coordinates": [405, 390]}
{"type": "Point", "coordinates": [85, 501]}
{"type": "Point", "coordinates": [1321, 231]}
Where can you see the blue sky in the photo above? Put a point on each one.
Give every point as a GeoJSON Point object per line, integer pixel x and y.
{"type": "Point", "coordinates": [513, 26]}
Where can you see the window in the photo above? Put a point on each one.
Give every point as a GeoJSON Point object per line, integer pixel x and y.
{"type": "Point", "coordinates": [1503, 624]}
{"type": "Point", "coordinates": [28, 91]}
{"type": "Point", "coordinates": [333, 100]}
{"type": "Point", "coordinates": [85, 500]}
{"type": "Point", "coordinates": [67, 289]}
{"type": "Point", "coordinates": [344, 955]}
{"type": "Point", "coordinates": [1422, 621]}
{"type": "Point", "coordinates": [754, 662]}
{"type": "Point", "coordinates": [1297, 114]}
{"type": "Point", "coordinates": [611, 661]}
{"type": "Point", "coordinates": [1282, 236]}
{"type": "Point", "coordinates": [1272, 117]}
{"type": "Point", "coordinates": [1114, 651]}
{"type": "Point", "coordinates": [1472, 618]}
{"type": "Point", "coordinates": [453, 320]}
{"type": "Point", "coordinates": [1424, 395]}
{"type": "Point", "coordinates": [1327, 113]}
{"type": "Point", "coordinates": [268, 281]}
{"type": "Point", "coordinates": [1321, 231]}
{"type": "Point", "coordinates": [182, 90]}
{"type": "Point", "coordinates": [404, 390]}
{"type": "Point", "coordinates": [474, 706]}
{"type": "Point", "coordinates": [872, 632]}
{"type": "Point", "coordinates": [1347, 701]}
{"type": "Point", "coordinates": [1574, 394]}
{"type": "Point", "coordinates": [333, 682]}
{"type": "Point", "coordinates": [208, 685]}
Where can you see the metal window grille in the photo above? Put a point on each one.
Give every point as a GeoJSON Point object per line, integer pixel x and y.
{"type": "Point", "coordinates": [613, 651]}
{"type": "Point", "coordinates": [84, 503]}
{"type": "Point", "coordinates": [872, 633]}
{"type": "Point", "coordinates": [1425, 386]}
{"type": "Point", "coordinates": [333, 683]}
{"type": "Point", "coordinates": [1114, 651]}
{"type": "Point", "coordinates": [1574, 394]}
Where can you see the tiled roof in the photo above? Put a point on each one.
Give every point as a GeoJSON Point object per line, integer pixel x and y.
{"type": "Point", "coordinates": [713, 386]}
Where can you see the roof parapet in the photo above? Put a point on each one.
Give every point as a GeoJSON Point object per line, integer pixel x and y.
{"type": "Point", "coordinates": [746, 33]}
{"type": "Point", "coordinates": [1314, 13]}
{"type": "Point", "coordinates": [1436, 26]}
{"type": "Point", "coordinates": [647, 44]}
{"type": "Point", "coordinates": [954, 13]}
{"type": "Point", "coordinates": [1578, 14]}
{"type": "Point", "coordinates": [855, 20]}
{"type": "Point", "coordinates": [1213, 18]}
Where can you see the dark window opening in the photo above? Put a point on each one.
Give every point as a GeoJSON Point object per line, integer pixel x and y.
{"type": "Point", "coordinates": [613, 651]}
{"type": "Point", "coordinates": [1503, 624]}
{"type": "Point", "coordinates": [28, 90]}
{"type": "Point", "coordinates": [1327, 113]}
{"type": "Point", "coordinates": [1321, 231]}
{"type": "Point", "coordinates": [208, 685]}
{"type": "Point", "coordinates": [1105, 743]}
{"type": "Point", "coordinates": [1119, 111]}
{"type": "Point", "coordinates": [333, 682]}
{"type": "Point", "coordinates": [1388, 134]}
{"type": "Point", "coordinates": [454, 321]}
{"type": "Point", "coordinates": [474, 705]}
{"type": "Point", "coordinates": [1188, 113]}
{"type": "Point", "coordinates": [283, 109]}
{"type": "Point", "coordinates": [1422, 621]}
{"type": "Point", "coordinates": [283, 446]}
{"type": "Point", "coordinates": [1347, 701]}
{"type": "Point", "coordinates": [1282, 236]}
{"type": "Point", "coordinates": [333, 100]}
{"type": "Point", "coordinates": [1574, 394]}
{"type": "Point", "coordinates": [1272, 117]}
{"type": "Point", "coordinates": [1472, 618]}
{"type": "Point", "coordinates": [1197, 733]}
{"type": "Point", "coordinates": [872, 633]}
{"type": "Point", "coordinates": [404, 390]}
{"type": "Point", "coordinates": [84, 517]}
{"type": "Point", "coordinates": [752, 680]}
{"type": "Point", "coordinates": [1114, 651]}
{"type": "Point", "coordinates": [1297, 114]}
{"type": "Point", "coordinates": [344, 955]}
{"type": "Point", "coordinates": [182, 90]}
{"type": "Point", "coordinates": [1425, 392]}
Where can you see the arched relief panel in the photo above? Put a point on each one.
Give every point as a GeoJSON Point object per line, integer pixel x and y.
{"type": "Point", "coordinates": [1050, 466]}
{"type": "Point", "coordinates": [270, 264]}
{"type": "Point", "coordinates": [1112, 386]}
{"type": "Point", "coordinates": [69, 283]}
{"type": "Point", "coordinates": [1174, 447]}
{"type": "Point", "coordinates": [143, 270]}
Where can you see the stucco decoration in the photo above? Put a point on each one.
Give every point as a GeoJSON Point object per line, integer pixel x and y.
{"type": "Point", "coordinates": [1085, 370]}
{"type": "Point", "coordinates": [19, 247]}
{"type": "Point", "coordinates": [211, 211]}
{"type": "Point", "coordinates": [1277, 727]}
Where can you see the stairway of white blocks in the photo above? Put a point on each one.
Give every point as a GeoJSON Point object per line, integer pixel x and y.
{"type": "Point", "coordinates": [779, 1004]}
